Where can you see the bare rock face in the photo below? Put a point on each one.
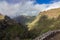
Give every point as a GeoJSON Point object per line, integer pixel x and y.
{"type": "Point", "coordinates": [51, 35]}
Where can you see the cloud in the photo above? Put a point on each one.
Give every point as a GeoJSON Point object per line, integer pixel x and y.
{"type": "Point", "coordinates": [16, 1]}
{"type": "Point", "coordinates": [28, 8]}
{"type": "Point", "coordinates": [8, 9]}
{"type": "Point", "coordinates": [53, 5]}
{"type": "Point", "coordinates": [19, 9]}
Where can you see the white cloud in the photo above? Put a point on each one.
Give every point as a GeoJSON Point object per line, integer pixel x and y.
{"type": "Point", "coordinates": [8, 9]}
{"type": "Point", "coordinates": [54, 5]}
{"type": "Point", "coordinates": [28, 8]}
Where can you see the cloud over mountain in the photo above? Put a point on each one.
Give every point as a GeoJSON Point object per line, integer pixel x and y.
{"type": "Point", "coordinates": [25, 7]}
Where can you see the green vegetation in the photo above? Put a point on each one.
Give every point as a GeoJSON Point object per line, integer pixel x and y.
{"type": "Point", "coordinates": [26, 28]}
{"type": "Point", "coordinates": [44, 25]}
{"type": "Point", "coordinates": [11, 30]}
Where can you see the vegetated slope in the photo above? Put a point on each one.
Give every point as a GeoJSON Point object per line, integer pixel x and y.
{"type": "Point", "coordinates": [1, 17]}
{"type": "Point", "coordinates": [24, 19]}
{"type": "Point", "coordinates": [11, 30]}
{"type": "Point", "coordinates": [45, 21]}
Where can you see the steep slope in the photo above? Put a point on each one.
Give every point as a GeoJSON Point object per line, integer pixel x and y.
{"type": "Point", "coordinates": [45, 21]}
{"type": "Point", "coordinates": [53, 13]}
{"type": "Point", "coordinates": [11, 30]}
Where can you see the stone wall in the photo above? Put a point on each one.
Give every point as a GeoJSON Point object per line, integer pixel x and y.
{"type": "Point", "coordinates": [47, 35]}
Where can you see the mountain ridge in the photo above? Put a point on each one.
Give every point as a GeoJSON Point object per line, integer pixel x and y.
{"type": "Point", "coordinates": [24, 19]}
{"type": "Point", "coordinates": [53, 13]}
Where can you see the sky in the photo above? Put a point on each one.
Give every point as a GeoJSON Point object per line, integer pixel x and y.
{"type": "Point", "coordinates": [14, 8]}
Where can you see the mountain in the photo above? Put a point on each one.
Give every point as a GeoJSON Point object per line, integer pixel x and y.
{"type": "Point", "coordinates": [24, 19]}
{"type": "Point", "coordinates": [11, 30]}
{"type": "Point", "coordinates": [45, 21]}
{"type": "Point", "coordinates": [1, 17]}
{"type": "Point", "coordinates": [53, 13]}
